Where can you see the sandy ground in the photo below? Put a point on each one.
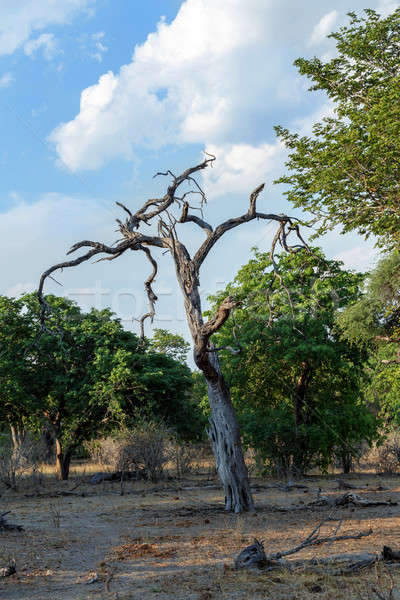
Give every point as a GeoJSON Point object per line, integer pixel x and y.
{"type": "Point", "coordinates": [174, 541]}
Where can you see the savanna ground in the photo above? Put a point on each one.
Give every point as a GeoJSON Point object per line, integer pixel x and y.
{"type": "Point", "coordinates": [173, 540]}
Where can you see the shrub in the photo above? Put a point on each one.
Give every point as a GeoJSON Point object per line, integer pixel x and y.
{"type": "Point", "coordinates": [183, 454]}
{"type": "Point", "coordinates": [146, 446]}
{"type": "Point", "coordinates": [385, 458]}
{"type": "Point", "coordinates": [16, 463]}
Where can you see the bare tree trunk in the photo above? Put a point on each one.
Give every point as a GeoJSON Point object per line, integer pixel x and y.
{"type": "Point", "coordinates": [63, 460]}
{"type": "Point", "coordinates": [17, 436]}
{"type": "Point", "coordinates": [225, 440]}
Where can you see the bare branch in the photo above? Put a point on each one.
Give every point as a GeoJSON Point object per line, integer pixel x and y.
{"type": "Point", "coordinates": [286, 226]}
{"type": "Point", "coordinates": [150, 293]}
{"type": "Point", "coordinates": [185, 217]}
{"type": "Point", "coordinates": [161, 204]}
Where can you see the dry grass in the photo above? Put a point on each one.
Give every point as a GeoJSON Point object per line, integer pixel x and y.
{"type": "Point", "coordinates": [174, 542]}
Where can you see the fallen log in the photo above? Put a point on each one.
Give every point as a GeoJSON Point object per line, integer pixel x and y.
{"type": "Point", "coordinates": [118, 476]}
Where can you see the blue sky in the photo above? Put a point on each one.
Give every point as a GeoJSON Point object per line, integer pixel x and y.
{"type": "Point", "coordinates": [98, 95]}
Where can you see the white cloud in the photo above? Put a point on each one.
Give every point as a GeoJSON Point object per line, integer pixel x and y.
{"type": "Point", "coordinates": [217, 75]}
{"type": "Point", "coordinates": [45, 42]}
{"type": "Point", "coordinates": [99, 47]}
{"type": "Point", "coordinates": [214, 75]}
{"type": "Point", "coordinates": [6, 80]}
{"type": "Point", "coordinates": [385, 7]}
{"type": "Point", "coordinates": [323, 28]}
{"type": "Point", "coordinates": [304, 125]}
{"type": "Point", "coordinates": [20, 18]}
{"type": "Point", "coordinates": [359, 257]}
{"type": "Point", "coordinates": [240, 168]}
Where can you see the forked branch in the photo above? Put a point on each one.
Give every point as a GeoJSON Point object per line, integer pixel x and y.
{"type": "Point", "coordinates": [159, 211]}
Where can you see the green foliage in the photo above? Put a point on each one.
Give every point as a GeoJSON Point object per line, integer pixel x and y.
{"type": "Point", "coordinates": [85, 373]}
{"type": "Point", "coordinates": [16, 333]}
{"type": "Point", "coordinates": [297, 385]}
{"type": "Point", "coordinates": [377, 312]}
{"type": "Point", "coordinates": [171, 344]}
{"type": "Point", "coordinates": [347, 173]}
{"type": "Point", "coordinates": [374, 322]}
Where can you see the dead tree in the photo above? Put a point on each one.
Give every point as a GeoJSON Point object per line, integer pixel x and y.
{"type": "Point", "coordinates": [168, 214]}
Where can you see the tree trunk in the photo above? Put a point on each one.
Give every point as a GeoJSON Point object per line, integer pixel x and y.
{"type": "Point", "coordinates": [17, 436]}
{"type": "Point", "coordinates": [300, 395]}
{"type": "Point", "coordinates": [63, 460]}
{"type": "Point", "coordinates": [225, 440]}
{"type": "Point", "coordinates": [224, 429]}
{"type": "Point", "coordinates": [347, 462]}
{"type": "Point", "coordinates": [301, 417]}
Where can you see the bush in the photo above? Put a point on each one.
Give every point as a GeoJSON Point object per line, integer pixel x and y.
{"type": "Point", "coordinates": [385, 458]}
{"type": "Point", "coordinates": [183, 454]}
{"type": "Point", "coordinates": [146, 446]}
{"type": "Point", "coordinates": [16, 463]}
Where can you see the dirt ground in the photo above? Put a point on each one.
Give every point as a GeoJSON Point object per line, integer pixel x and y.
{"type": "Point", "coordinates": [173, 540]}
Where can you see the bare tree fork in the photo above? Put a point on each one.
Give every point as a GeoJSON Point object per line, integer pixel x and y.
{"type": "Point", "coordinates": [168, 214]}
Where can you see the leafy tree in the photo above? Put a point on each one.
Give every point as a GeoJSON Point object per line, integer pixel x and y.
{"type": "Point", "coordinates": [17, 402]}
{"type": "Point", "coordinates": [347, 173]}
{"type": "Point", "coordinates": [172, 344]}
{"type": "Point", "coordinates": [374, 322]}
{"type": "Point", "coordinates": [296, 384]}
{"type": "Point", "coordinates": [85, 373]}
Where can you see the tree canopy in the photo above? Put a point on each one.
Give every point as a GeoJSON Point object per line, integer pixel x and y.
{"type": "Point", "coordinates": [374, 322]}
{"type": "Point", "coordinates": [296, 383]}
{"type": "Point", "coordinates": [84, 373]}
{"type": "Point", "coordinates": [347, 172]}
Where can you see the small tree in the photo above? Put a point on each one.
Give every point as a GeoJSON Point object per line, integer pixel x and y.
{"type": "Point", "coordinates": [171, 344]}
{"type": "Point", "coordinates": [168, 214]}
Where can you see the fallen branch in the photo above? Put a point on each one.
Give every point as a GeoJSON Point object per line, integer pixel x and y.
{"type": "Point", "coordinates": [254, 555]}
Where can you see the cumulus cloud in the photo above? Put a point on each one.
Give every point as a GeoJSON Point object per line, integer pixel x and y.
{"type": "Point", "coordinates": [214, 75]}
{"type": "Point", "coordinates": [45, 42]}
{"type": "Point", "coordinates": [242, 167]}
{"type": "Point", "coordinates": [359, 257]}
{"type": "Point", "coordinates": [20, 18]}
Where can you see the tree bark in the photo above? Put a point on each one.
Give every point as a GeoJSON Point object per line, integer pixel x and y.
{"type": "Point", "coordinates": [17, 436]}
{"type": "Point", "coordinates": [63, 460]}
{"type": "Point", "coordinates": [225, 440]}
{"type": "Point", "coordinates": [347, 462]}
{"type": "Point", "coordinates": [300, 395]}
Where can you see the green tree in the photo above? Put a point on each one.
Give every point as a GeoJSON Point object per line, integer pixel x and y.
{"type": "Point", "coordinates": [296, 384]}
{"type": "Point", "coordinates": [374, 322]}
{"type": "Point", "coordinates": [84, 374]}
{"type": "Point", "coordinates": [347, 173]}
{"type": "Point", "coordinates": [172, 344]}
{"type": "Point", "coordinates": [17, 401]}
